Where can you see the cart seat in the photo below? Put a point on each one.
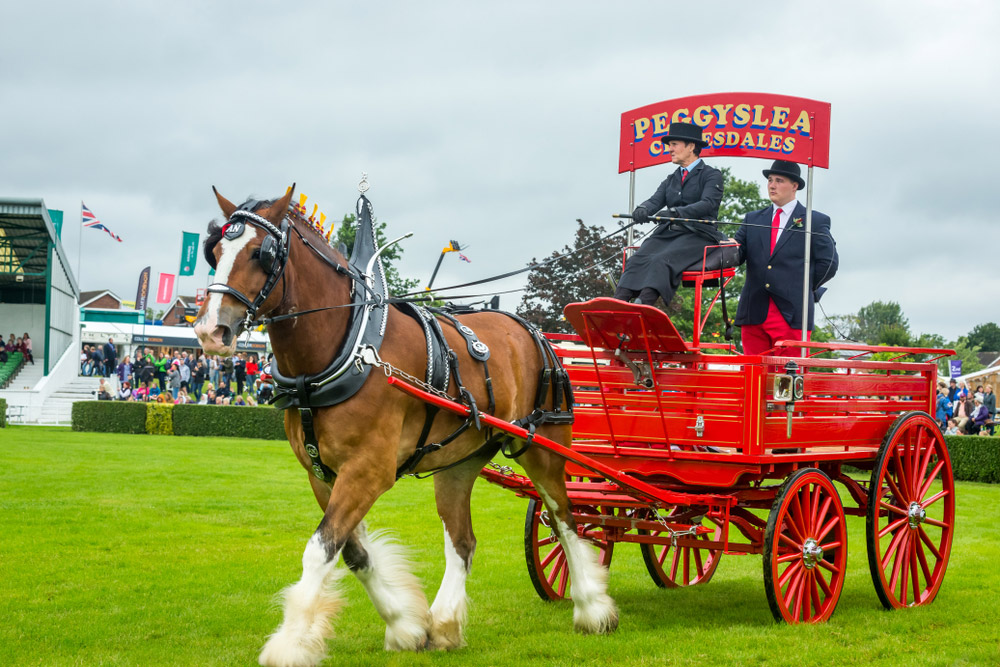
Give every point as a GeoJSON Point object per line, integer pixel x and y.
{"type": "Point", "coordinates": [707, 278]}
{"type": "Point", "coordinates": [614, 324]}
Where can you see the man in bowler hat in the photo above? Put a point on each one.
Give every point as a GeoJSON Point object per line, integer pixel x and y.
{"type": "Point", "coordinates": [772, 243]}
{"type": "Point", "coordinates": [692, 192]}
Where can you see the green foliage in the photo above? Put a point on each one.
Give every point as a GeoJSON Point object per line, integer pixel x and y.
{"type": "Point", "coordinates": [229, 421]}
{"type": "Point", "coordinates": [3, 412]}
{"type": "Point", "coordinates": [159, 418]}
{"type": "Point", "coordinates": [985, 336]}
{"type": "Point", "coordinates": [880, 323]}
{"type": "Point", "coordinates": [345, 234]}
{"type": "Point", "coordinates": [974, 458]}
{"type": "Point", "coordinates": [109, 416]}
{"type": "Point", "coordinates": [968, 354]}
{"type": "Point", "coordinates": [554, 285]}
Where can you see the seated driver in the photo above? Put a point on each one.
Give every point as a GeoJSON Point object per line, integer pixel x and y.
{"type": "Point", "coordinates": [693, 192]}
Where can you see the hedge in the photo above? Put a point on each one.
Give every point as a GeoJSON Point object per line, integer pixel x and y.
{"type": "Point", "coordinates": [974, 458]}
{"type": "Point", "coordinates": [160, 419]}
{"type": "Point", "coordinates": [109, 416]}
{"type": "Point", "coordinates": [229, 421]}
{"type": "Point", "coordinates": [3, 412]}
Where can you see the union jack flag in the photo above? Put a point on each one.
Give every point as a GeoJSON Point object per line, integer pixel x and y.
{"type": "Point", "coordinates": [464, 258]}
{"type": "Point", "coordinates": [90, 220]}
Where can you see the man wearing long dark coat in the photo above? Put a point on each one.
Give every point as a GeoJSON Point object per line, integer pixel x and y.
{"type": "Point", "coordinates": [692, 192]}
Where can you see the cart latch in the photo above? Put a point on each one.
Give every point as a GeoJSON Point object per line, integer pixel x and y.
{"type": "Point", "coordinates": [789, 388]}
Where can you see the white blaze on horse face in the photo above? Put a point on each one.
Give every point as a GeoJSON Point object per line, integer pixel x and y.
{"type": "Point", "coordinates": [231, 248]}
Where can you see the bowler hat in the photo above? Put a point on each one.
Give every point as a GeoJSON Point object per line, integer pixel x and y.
{"type": "Point", "coordinates": [785, 168]}
{"type": "Point", "coordinates": [688, 132]}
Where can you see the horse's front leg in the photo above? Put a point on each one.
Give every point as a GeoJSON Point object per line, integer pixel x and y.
{"type": "Point", "coordinates": [311, 603]}
{"type": "Point", "coordinates": [453, 492]}
{"type": "Point", "coordinates": [383, 569]}
{"type": "Point", "coordinates": [593, 609]}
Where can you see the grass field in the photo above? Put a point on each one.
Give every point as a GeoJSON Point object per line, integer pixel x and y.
{"type": "Point", "coordinates": [148, 550]}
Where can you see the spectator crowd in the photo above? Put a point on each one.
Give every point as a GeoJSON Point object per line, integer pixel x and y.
{"type": "Point", "coordinates": [22, 345]}
{"type": "Point", "coordinates": [177, 376]}
{"type": "Point", "coordinates": [961, 411]}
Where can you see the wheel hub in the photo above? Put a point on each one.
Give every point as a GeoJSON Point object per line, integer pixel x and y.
{"type": "Point", "coordinates": [917, 514]}
{"type": "Point", "coordinates": [812, 553]}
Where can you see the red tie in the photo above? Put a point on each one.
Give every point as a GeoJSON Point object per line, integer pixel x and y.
{"type": "Point", "coordinates": [684, 175]}
{"type": "Point", "coordinates": [775, 226]}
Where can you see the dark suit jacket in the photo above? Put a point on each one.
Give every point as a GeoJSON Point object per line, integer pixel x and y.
{"type": "Point", "coordinates": [778, 276]}
{"type": "Point", "coordinates": [110, 353]}
{"type": "Point", "coordinates": [697, 198]}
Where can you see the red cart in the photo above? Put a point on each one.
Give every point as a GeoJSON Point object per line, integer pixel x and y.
{"type": "Point", "coordinates": [693, 453]}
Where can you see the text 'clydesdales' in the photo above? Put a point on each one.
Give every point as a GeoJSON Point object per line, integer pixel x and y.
{"type": "Point", "coordinates": [741, 124]}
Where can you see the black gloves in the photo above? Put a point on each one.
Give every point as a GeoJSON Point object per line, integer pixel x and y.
{"type": "Point", "coordinates": [640, 215]}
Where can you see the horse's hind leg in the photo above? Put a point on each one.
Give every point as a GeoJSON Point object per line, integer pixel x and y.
{"type": "Point", "coordinates": [385, 572]}
{"type": "Point", "coordinates": [453, 492]}
{"type": "Point", "coordinates": [593, 609]}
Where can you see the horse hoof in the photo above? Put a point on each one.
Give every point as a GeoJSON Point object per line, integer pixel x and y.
{"type": "Point", "coordinates": [279, 651]}
{"type": "Point", "coordinates": [446, 635]}
{"type": "Point", "coordinates": [600, 617]}
{"type": "Point", "coordinates": [405, 637]}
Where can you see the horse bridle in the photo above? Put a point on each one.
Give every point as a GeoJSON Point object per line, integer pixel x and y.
{"type": "Point", "coordinates": [273, 256]}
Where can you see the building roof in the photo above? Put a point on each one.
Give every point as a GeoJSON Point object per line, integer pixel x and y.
{"type": "Point", "coordinates": [25, 230]}
{"type": "Point", "coordinates": [93, 295]}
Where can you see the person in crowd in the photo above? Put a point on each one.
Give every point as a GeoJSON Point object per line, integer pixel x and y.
{"type": "Point", "coordinates": [174, 379]}
{"type": "Point", "coordinates": [773, 246]}
{"type": "Point", "coordinates": [198, 379]}
{"type": "Point", "coordinates": [953, 390]}
{"type": "Point", "coordinates": [223, 395]}
{"type": "Point", "coordinates": [97, 359]}
{"type": "Point", "coordinates": [86, 364]}
{"type": "Point", "coordinates": [142, 392]}
{"type": "Point", "coordinates": [185, 372]}
{"type": "Point", "coordinates": [211, 398]}
{"type": "Point", "coordinates": [28, 352]}
{"type": "Point", "coordinates": [11, 344]}
{"type": "Point", "coordinates": [213, 370]}
{"type": "Point", "coordinates": [239, 373]}
{"type": "Point", "coordinates": [125, 391]}
{"type": "Point", "coordinates": [990, 401]}
{"type": "Point", "coordinates": [154, 391]}
{"type": "Point", "coordinates": [962, 410]}
{"type": "Point", "coordinates": [952, 428]}
{"type": "Point", "coordinates": [251, 401]}
{"type": "Point", "coordinates": [183, 397]}
{"type": "Point", "coordinates": [4, 356]}
{"type": "Point", "coordinates": [110, 357]}
{"type": "Point", "coordinates": [228, 367]}
{"type": "Point", "coordinates": [124, 370]}
{"type": "Point", "coordinates": [690, 195]}
{"type": "Point", "coordinates": [963, 390]}
{"type": "Point", "coordinates": [104, 391]}
{"type": "Point", "coordinates": [238, 400]}
{"type": "Point", "coordinates": [978, 417]}
{"type": "Point", "coordinates": [944, 409]}
{"type": "Point", "coordinates": [161, 369]}
{"type": "Point", "coordinates": [252, 370]}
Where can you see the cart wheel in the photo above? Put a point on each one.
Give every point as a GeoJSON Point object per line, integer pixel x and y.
{"type": "Point", "coordinates": [683, 566]}
{"type": "Point", "coordinates": [547, 564]}
{"type": "Point", "coordinates": [805, 549]}
{"type": "Point", "coordinates": [911, 513]}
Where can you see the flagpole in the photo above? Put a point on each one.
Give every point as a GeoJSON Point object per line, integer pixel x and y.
{"type": "Point", "coordinates": [79, 245]}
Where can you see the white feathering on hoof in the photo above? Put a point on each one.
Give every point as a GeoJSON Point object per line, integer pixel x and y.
{"type": "Point", "coordinates": [395, 592]}
{"type": "Point", "coordinates": [594, 612]}
{"type": "Point", "coordinates": [449, 610]}
{"type": "Point", "coordinates": [310, 606]}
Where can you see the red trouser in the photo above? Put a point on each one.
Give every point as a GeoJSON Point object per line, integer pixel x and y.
{"type": "Point", "coordinates": [758, 338]}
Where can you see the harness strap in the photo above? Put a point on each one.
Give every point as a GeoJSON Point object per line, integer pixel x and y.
{"type": "Point", "coordinates": [319, 469]}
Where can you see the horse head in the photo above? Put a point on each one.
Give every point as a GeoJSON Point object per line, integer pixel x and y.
{"type": "Point", "coordinates": [248, 253]}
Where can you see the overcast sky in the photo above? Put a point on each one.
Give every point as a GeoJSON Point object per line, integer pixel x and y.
{"type": "Point", "coordinates": [497, 124]}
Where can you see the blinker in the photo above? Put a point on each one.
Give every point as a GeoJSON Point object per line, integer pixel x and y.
{"type": "Point", "coordinates": [233, 230]}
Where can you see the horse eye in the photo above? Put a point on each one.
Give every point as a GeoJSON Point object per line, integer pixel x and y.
{"type": "Point", "coordinates": [256, 254]}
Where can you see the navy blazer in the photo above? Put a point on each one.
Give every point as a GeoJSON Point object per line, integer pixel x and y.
{"type": "Point", "coordinates": [778, 276]}
{"type": "Point", "coordinates": [697, 198]}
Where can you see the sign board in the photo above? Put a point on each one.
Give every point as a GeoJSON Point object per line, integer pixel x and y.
{"type": "Point", "coordinates": [955, 368]}
{"type": "Point", "coordinates": [772, 127]}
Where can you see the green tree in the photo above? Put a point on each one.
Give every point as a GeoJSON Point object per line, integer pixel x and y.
{"type": "Point", "coordinates": [584, 276]}
{"type": "Point", "coordinates": [345, 234]}
{"type": "Point", "coordinates": [880, 323]}
{"type": "Point", "coordinates": [985, 336]}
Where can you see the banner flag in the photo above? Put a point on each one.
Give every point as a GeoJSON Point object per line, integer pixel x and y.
{"type": "Point", "coordinates": [189, 254]}
{"type": "Point", "coordinates": [143, 293]}
{"type": "Point", "coordinates": [166, 289]}
{"type": "Point", "coordinates": [90, 220]}
{"type": "Point", "coordinates": [955, 367]}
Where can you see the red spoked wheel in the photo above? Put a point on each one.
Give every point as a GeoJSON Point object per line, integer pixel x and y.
{"type": "Point", "coordinates": [682, 566]}
{"type": "Point", "coordinates": [911, 513]}
{"type": "Point", "coordinates": [547, 565]}
{"type": "Point", "coordinates": [805, 549]}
